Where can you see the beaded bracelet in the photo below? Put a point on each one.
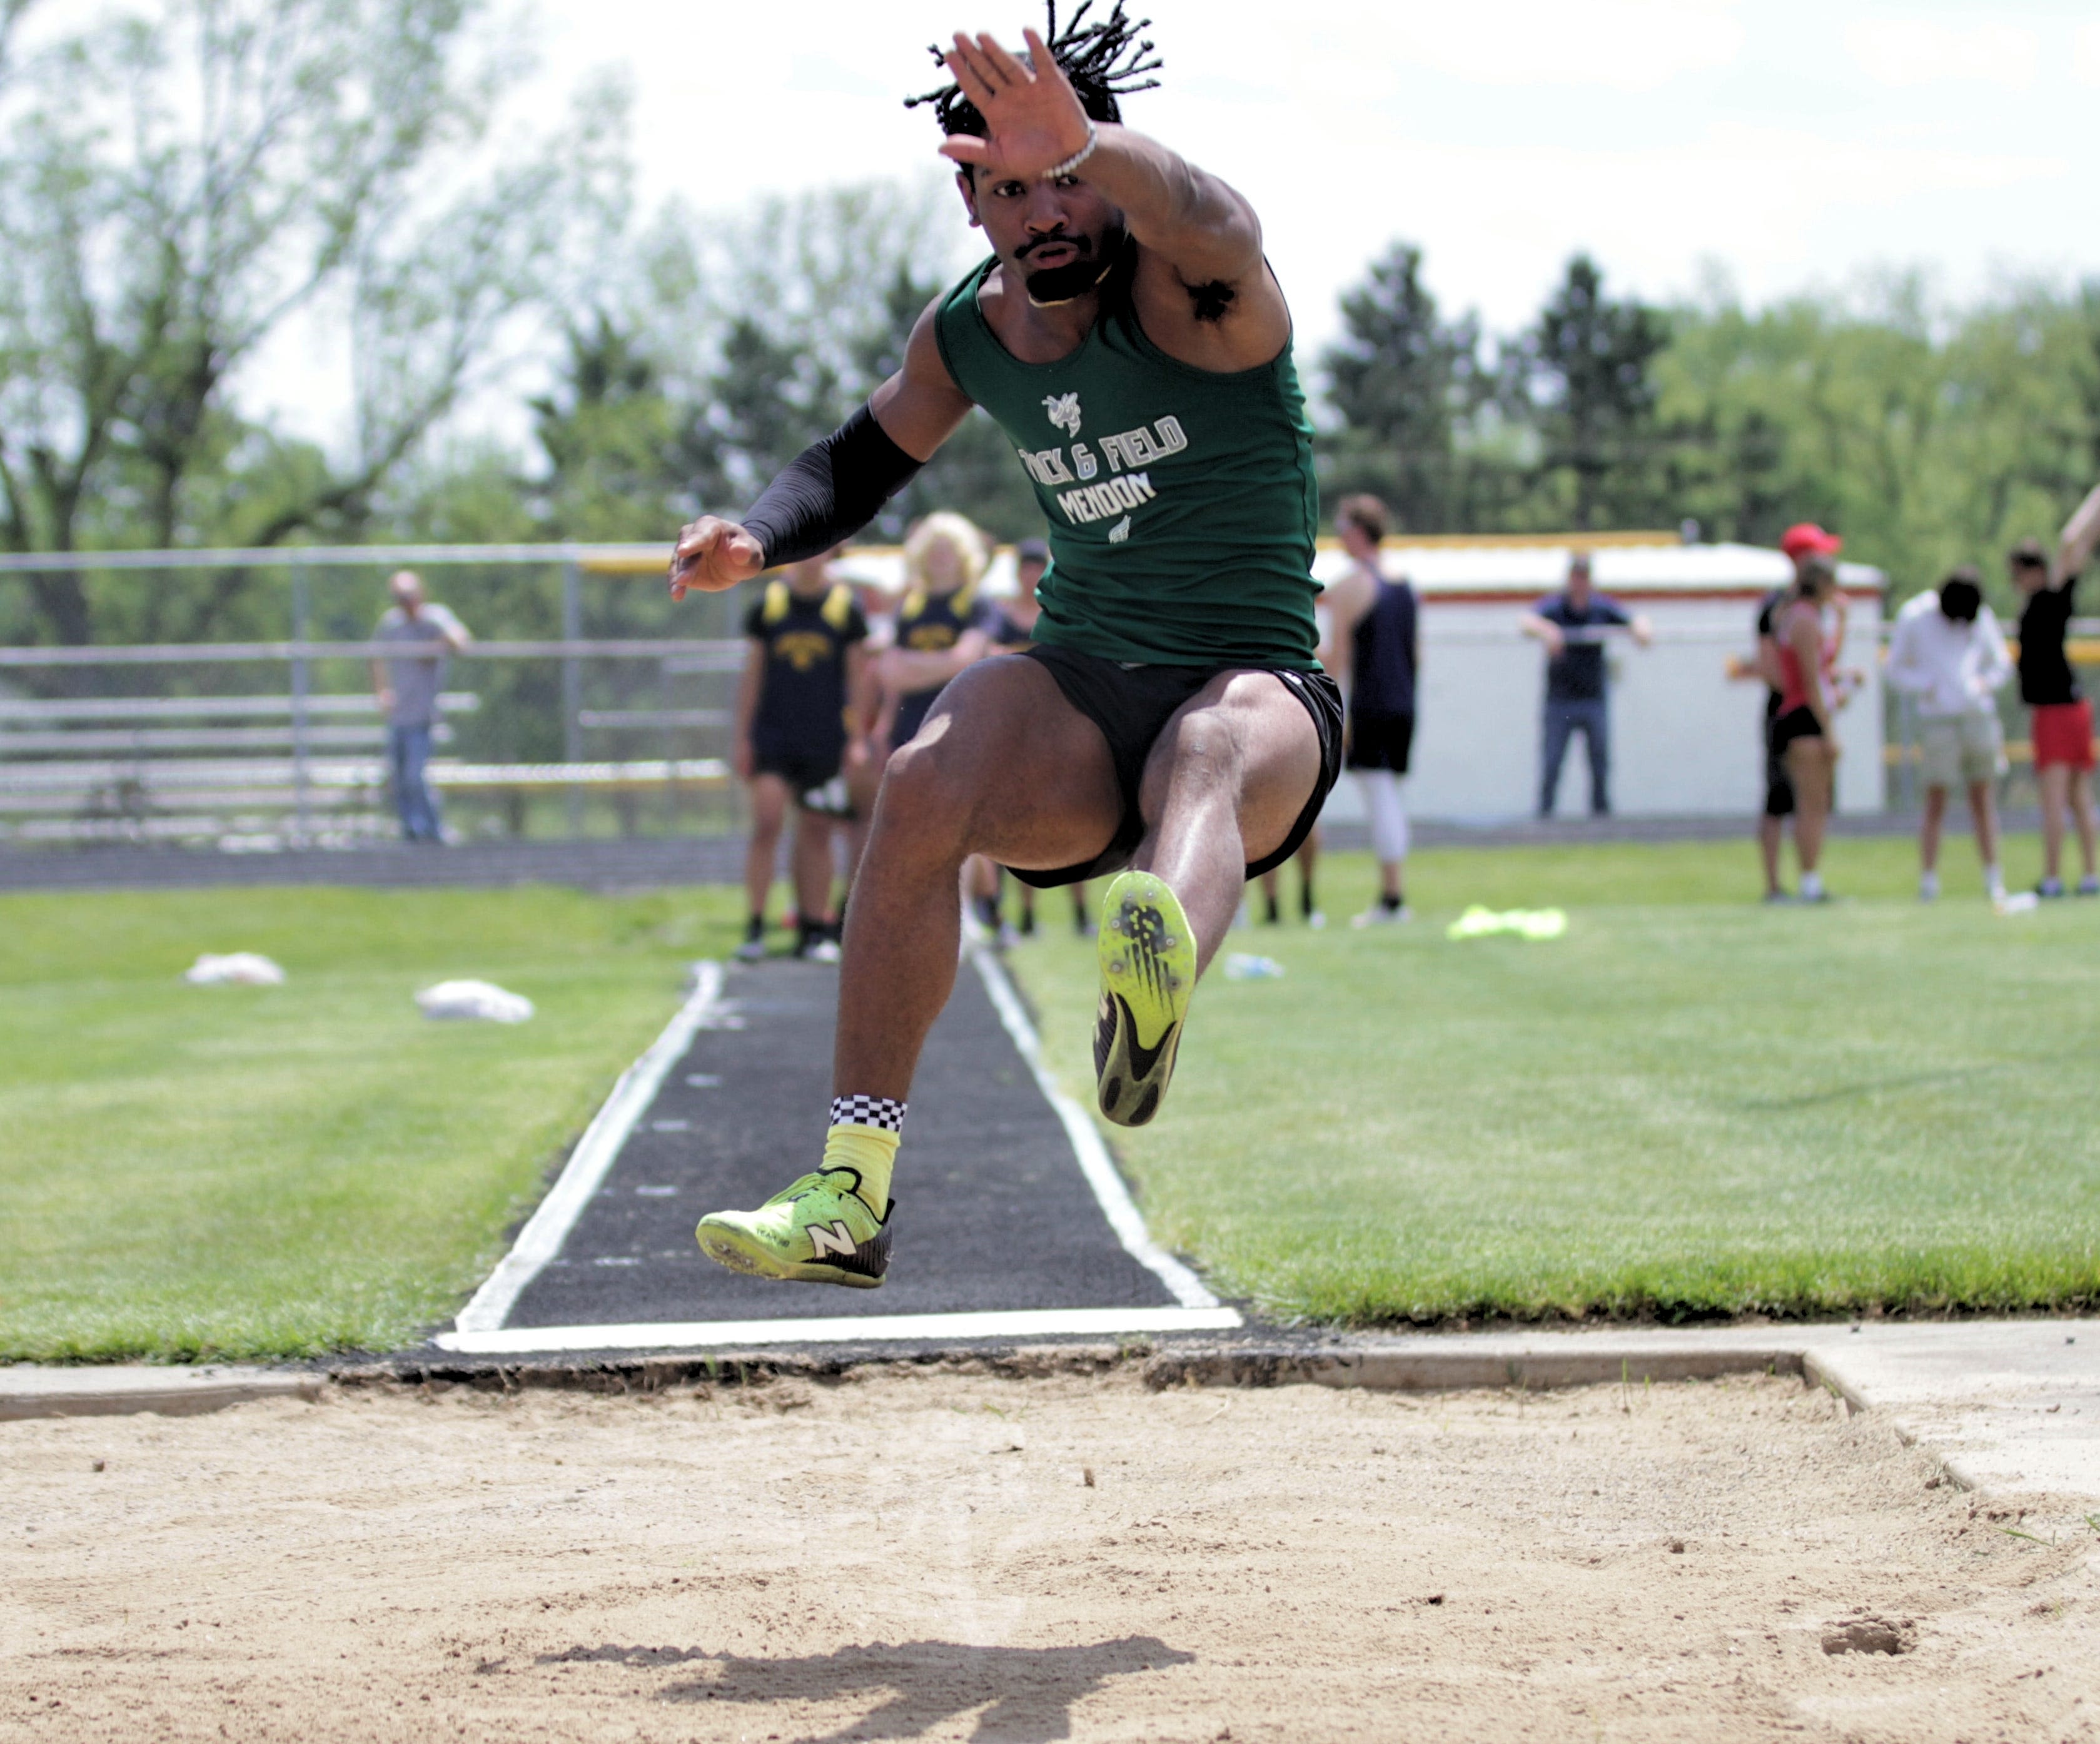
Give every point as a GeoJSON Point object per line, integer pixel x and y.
{"type": "Point", "coordinates": [1056, 171]}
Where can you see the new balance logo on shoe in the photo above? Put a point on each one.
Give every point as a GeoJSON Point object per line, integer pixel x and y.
{"type": "Point", "coordinates": [838, 1238]}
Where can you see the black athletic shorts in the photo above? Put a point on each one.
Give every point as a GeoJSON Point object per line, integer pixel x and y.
{"type": "Point", "coordinates": [1798, 723]}
{"type": "Point", "coordinates": [805, 773]}
{"type": "Point", "coordinates": [1131, 706]}
{"type": "Point", "coordinates": [1381, 741]}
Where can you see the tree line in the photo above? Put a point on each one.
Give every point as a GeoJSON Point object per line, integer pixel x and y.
{"type": "Point", "coordinates": [186, 190]}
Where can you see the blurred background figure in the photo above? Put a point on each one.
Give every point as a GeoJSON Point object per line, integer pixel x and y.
{"type": "Point", "coordinates": [1801, 542]}
{"type": "Point", "coordinates": [800, 722]}
{"type": "Point", "coordinates": [1803, 735]}
{"type": "Point", "coordinates": [1571, 624]}
{"type": "Point", "coordinates": [1373, 647]}
{"type": "Point", "coordinates": [1948, 653]}
{"type": "Point", "coordinates": [408, 690]}
{"type": "Point", "coordinates": [2062, 732]}
{"type": "Point", "coordinates": [943, 624]}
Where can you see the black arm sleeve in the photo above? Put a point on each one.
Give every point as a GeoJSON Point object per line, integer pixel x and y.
{"type": "Point", "coordinates": [829, 492]}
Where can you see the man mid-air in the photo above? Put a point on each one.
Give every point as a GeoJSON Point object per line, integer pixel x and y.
{"type": "Point", "coordinates": [1171, 719]}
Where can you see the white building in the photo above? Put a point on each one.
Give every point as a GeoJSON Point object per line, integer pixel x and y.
{"type": "Point", "coordinates": [1686, 739]}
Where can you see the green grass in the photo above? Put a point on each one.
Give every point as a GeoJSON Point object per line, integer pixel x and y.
{"type": "Point", "coordinates": [1690, 1105]}
{"type": "Point", "coordinates": [192, 1172]}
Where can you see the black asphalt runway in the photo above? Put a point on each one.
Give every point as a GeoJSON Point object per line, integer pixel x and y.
{"type": "Point", "coordinates": [992, 1210]}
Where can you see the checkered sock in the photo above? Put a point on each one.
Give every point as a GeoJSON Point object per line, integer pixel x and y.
{"type": "Point", "coordinates": [864, 1135]}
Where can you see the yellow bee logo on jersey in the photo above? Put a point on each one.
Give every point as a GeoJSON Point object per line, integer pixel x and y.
{"type": "Point", "coordinates": [802, 650]}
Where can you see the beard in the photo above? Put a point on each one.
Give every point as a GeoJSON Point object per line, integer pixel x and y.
{"type": "Point", "coordinates": [1089, 265]}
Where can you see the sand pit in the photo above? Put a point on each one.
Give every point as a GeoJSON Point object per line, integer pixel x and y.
{"type": "Point", "coordinates": [922, 1555]}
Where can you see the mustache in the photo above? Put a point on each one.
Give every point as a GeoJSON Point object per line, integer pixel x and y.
{"type": "Point", "coordinates": [1083, 245]}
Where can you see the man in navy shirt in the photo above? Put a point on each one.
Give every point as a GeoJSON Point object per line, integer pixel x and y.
{"type": "Point", "coordinates": [1572, 624]}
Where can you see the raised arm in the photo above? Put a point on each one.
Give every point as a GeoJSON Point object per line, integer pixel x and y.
{"type": "Point", "coordinates": [1201, 267]}
{"type": "Point", "coordinates": [2081, 533]}
{"type": "Point", "coordinates": [834, 487]}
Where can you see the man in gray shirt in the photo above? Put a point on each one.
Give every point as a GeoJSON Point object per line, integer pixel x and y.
{"type": "Point", "coordinates": [407, 689]}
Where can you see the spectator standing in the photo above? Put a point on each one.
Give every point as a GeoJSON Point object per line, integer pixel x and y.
{"type": "Point", "coordinates": [797, 727]}
{"type": "Point", "coordinates": [1804, 735]}
{"type": "Point", "coordinates": [1949, 653]}
{"type": "Point", "coordinates": [409, 687]}
{"type": "Point", "coordinates": [2062, 732]}
{"type": "Point", "coordinates": [1801, 542]}
{"type": "Point", "coordinates": [1374, 647]}
{"type": "Point", "coordinates": [1572, 625]}
{"type": "Point", "coordinates": [943, 624]}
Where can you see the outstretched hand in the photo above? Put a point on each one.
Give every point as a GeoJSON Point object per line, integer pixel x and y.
{"type": "Point", "coordinates": [713, 554]}
{"type": "Point", "coordinates": [1035, 117]}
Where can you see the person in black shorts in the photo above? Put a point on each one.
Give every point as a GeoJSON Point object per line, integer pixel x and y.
{"type": "Point", "coordinates": [1376, 639]}
{"type": "Point", "coordinates": [1802, 543]}
{"type": "Point", "coordinates": [801, 673]}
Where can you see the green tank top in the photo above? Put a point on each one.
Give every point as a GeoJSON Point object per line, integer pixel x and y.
{"type": "Point", "coordinates": [1181, 502]}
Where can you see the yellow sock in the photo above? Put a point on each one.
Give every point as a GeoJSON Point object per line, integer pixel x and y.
{"type": "Point", "coordinates": [870, 1151]}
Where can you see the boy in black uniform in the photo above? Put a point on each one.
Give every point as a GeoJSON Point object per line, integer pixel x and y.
{"type": "Point", "coordinates": [801, 676]}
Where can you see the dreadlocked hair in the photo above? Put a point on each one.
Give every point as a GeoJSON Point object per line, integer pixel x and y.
{"type": "Point", "coordinates": [1104, 61]}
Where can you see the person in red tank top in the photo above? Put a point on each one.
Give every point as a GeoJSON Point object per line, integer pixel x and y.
{"type": "Point", "coordinates": [1802, 732]}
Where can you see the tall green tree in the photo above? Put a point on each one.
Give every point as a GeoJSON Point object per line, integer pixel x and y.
{"type": "Point", "coordinates": [1403, 380]}
{"type": "Point", "coordinates": [1582, 377]}
{"type": "Point", "coordinates": [176, 187]}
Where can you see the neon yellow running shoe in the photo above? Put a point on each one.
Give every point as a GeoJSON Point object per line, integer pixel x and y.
{"type": "Point", "coordinates": [1148, 955]}
{"type": "Point", "coordinates": [820, 1231]}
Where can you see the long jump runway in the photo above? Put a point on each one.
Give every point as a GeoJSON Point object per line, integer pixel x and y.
{"type": "Point", "coordinates": [1011, 1220]}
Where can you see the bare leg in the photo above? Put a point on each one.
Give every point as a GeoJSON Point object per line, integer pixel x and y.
{"type": "Point", "coordinates": [1772, 832]}
{"type": "Point", "coordinates": [1983, 812]}
{"type": "Point", "coordinates": [1308, 863]}
{"type": "Point", "coordinates": [769, 811]}
{"type": "Point", "coordinates": [812, 867]}
{"type": "Point", "coordinates": [1929, 828]}
{"type": "Point", "coordinates": [1004, 766]}
{"type": "Point", "coordinates": [1808, 763]}
{"type": "Point", "coordinates": [1223, 786]}
{"type": "Point", "coordinates": [2055, 784]}
{"type": "Point", "coordinates": [2081, 815]}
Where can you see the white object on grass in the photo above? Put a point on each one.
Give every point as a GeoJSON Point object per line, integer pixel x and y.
{"type": "Point", "coordinates": [236, 969]}
{"type": "Point", "coordinates": [1479, 922]}
{"type": "Point", "coordinates": [1241, 967]}
{"type": "Point", "coordinates": [475, 999]}
{"type": "Point", "coordinates": [2019, 902]}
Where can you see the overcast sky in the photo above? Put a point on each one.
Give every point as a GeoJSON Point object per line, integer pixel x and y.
{"type": "Point", "coordinates": [1788, 143]}
{"type": "Point", "coordinates": [1781, 144]}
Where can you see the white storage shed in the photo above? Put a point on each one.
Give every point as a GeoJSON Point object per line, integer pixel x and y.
{"type": "Point", "coordinates": [1686, 739]}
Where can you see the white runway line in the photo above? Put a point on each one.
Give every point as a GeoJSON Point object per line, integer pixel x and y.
{"type": "Point", "coordinates": [1095, 1162]}
{"type": "Point", "coordinates": [706, 1335]}
{"type": "Point", "coordinates": [543, 1235]}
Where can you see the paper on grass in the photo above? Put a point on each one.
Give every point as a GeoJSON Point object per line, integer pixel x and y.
{"type": "Point", "coordinates": [234, 969]}
{"type": "Point", "coordinates": [475, 999]}
{"type": "Point", "coordinates": [1535, 924]}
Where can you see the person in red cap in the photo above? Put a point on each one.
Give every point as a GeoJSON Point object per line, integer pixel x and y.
{"type": "Point", "coordinates": [1802, 543]}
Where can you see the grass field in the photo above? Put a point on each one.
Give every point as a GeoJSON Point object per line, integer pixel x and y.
{"type": "Point", "coordinates": [1689, 1105]}
{"type": "Point", "coordinates": [255, 1171]}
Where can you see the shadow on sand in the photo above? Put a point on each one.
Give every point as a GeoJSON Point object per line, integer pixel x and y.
{"type": "Point", "coordinates": [1026, 1693]}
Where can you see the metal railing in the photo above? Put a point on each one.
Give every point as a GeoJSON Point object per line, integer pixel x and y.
{"type": "Point", "coordinates": [163, 737]}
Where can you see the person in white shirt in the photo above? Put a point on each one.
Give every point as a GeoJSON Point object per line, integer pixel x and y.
{"type": "Point", "coordinates": [1948, 653]}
